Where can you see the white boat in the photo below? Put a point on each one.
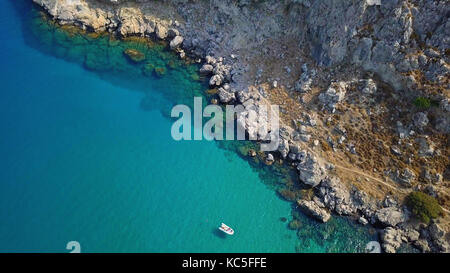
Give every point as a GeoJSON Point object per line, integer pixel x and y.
{"type": "Point", "coordinates": [226, 229]}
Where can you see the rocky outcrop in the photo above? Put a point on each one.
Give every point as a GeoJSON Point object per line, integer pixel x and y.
{"type": "Point", "coordinates": [390, 216]}
{"type": "Point", "coordinates": [161, 31]}
{"type": "Point", "coordinates": [420, 120]}
{"type": "Point", "coordinates": [392, 239]}
{"type": "Point", "coordinates": [313, 209]}
{"type": "Point", "coordinates": [311, 169]}
{"type": "Point", "coordinates": [333, 95]}
{"type": "Point", "coordinates": [336, 196]}
{"type": "Point", "coordinates": [226, 94]}
{"type": "Point", "coordinates": [435, 235]}
{"type": "Point", "coordinates": [303, 85]}
{"type": "Point", "coordinates": [405, 177]}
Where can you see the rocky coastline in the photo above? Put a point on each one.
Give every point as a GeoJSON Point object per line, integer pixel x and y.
{"type": "Point", "coordinates": [338, 59]}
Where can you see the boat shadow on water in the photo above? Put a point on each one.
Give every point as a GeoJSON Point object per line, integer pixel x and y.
{"type": "Point", "coordinates": [219, 233]}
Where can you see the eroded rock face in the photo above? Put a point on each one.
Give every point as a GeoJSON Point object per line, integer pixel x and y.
{"type": "Point", "coordinates": [336, 196]}
{"type": "Point", "coordinates": [311, 208]}
{"type": "Point", "coordinates": [132, 21]}
{"type": "Point", "coordinates": [335, 32]}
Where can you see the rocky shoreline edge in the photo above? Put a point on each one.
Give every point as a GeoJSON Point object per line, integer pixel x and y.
{"type": "Point", "coordinates": [225, 74]}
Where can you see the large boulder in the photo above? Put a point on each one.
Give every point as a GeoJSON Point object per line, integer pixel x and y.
{"type": "Point", "coordinates": [406, 177]}
{"type": "Point", "coordinates": [311, 170]}
{"type": "Point", "coordinates": [313, 209]}
{"type": "Point", "coordinates": [176, 42]}
{"type": "Point", "coordinates": [283, 148]}
{"type": "Point", "coordinates": [206, 69]}
{"type": "Point", "coordinates": [390, 216]}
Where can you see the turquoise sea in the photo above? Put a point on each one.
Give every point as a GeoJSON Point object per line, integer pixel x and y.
{"type": "Point", "coordinates": [87, 156]}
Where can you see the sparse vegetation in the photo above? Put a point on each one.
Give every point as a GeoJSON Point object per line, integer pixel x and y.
{"type": "Point", "coordinates": [423, 206]}
{"type": "Point", "coordinates": [422, 102]}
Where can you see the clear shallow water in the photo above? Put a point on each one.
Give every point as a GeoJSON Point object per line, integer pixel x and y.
{"type": "Point", "coordinates": [88, 156]}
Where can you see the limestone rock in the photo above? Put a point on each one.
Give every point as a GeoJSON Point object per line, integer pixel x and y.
{"type": "Point", "coordinates": [391, 239]}
{"type": "Point", "coordinates": [390, 216]}
{"type": "Point", "coordinates": [215, 80]}
{"type": "Point", "coordinates": [206, 69]}
{"type": "Point", "coordinates": [311, 170]}
{"type": "Point", "coordinates": [335, 196]}
{"type": "Point", "coordinates": [333, 95]}
{"type": "Point", "coordinates": [161, 31]}
{"type": "Point", "coordinates": [176, 42]}
{"type": "Point", "coordinates": [420, 120]}
{"type": "Point", "coordinates": [363, 221]}
{"type": "Point", "coordinates": [225, 96]}
{"type": "Point", "coordinates": [311, 208]}
{"type": "Point", "coordinates": [303, 85]}
{"type": "Point", "coordinates": [405, 177]}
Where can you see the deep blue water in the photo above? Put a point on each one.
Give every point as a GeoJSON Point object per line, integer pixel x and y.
{"type": "Point", "coordinates": [82, 160]}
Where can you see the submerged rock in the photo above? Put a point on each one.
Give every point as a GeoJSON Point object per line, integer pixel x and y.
{"type": "Point", "coordinates": [134, 55]}
{"type": "Point", "coordinates": [294, 224]}
{"type": "Point", "coordinates": [160, 71]}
